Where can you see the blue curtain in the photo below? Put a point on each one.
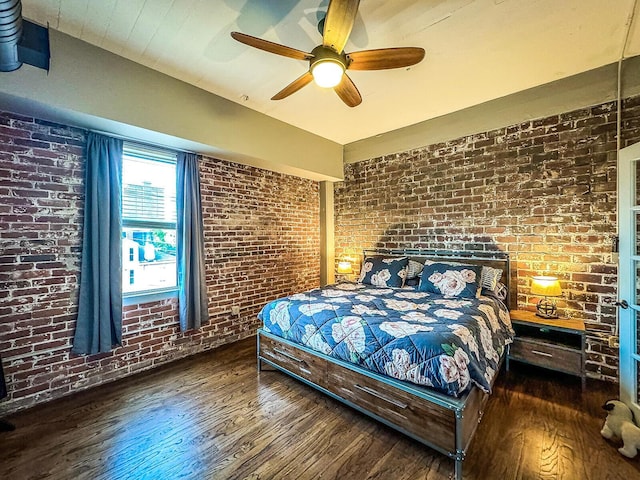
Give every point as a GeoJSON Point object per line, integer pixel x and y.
{"type": "Point", "coordinates": [192, 288]}
{"type": "Point", "coordinates": [99, 325]}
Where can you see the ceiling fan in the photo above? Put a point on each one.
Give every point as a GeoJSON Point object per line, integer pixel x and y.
{"type": "Point", "coordinates": [328, 62]}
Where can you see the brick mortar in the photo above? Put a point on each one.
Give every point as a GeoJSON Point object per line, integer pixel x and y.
{"type": "Point", "coordinates": [262, 241]}
{"type": "Point", "coordinates": [542, 190]}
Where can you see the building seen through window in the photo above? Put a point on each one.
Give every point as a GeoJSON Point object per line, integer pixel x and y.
{"type": "Point", "coordinates": [148, 220]}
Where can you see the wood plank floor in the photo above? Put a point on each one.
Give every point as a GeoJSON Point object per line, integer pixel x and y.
{"type": "Point", "coordinates": [214, 417]}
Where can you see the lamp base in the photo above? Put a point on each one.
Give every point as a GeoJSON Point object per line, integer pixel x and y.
{"type": "Point", "coordinates": [547, 309]}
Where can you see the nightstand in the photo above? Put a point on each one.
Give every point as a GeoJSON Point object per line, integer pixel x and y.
{"type": "Point", "coordinates": [554, 344]}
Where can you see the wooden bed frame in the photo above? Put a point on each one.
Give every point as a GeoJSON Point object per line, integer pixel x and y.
{"type": "Point", "coordinates": [444, 423]}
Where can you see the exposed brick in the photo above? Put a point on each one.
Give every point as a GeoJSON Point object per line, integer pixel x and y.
{"type": "Point", "coordinates": [262, 241]}
{"type": "Point", "coordinates": [544, 191]}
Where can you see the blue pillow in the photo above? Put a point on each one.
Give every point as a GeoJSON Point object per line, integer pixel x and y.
{"type": "Point", "coordinates": [384, 272]}
{"type": "Point", "coordinates": [451, 280]}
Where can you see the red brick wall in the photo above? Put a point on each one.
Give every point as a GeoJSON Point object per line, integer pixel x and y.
{"type": "Point", "coordinates": [262, 240]}
{"type": "Point", "coordinates": [544, 191]}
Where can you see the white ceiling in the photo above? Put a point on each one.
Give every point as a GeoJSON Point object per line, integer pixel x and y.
{"type": "Point", "coordinates": [476, 50]}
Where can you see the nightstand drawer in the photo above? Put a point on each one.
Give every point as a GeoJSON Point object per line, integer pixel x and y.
{"type": "Point", "coordinates": [555, 357]}
{"type": "Point", "coordinates": [550, 335]}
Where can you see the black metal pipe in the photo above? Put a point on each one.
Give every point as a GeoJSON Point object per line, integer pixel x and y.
{"type": "Point", "coordinates": [10, 34]}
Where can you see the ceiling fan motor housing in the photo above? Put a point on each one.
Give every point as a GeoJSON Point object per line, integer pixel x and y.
{"type": "Point", "coordinates": [324, 54]}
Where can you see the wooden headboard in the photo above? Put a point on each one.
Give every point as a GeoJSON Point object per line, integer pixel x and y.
{"type": "Point", "coordinates": [490, 259]}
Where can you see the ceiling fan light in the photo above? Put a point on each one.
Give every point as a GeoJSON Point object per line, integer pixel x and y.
{"type": "Point", "coordinates": [327, 73]}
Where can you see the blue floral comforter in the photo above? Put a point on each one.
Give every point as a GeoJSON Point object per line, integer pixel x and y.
{"type": "Point", "coordinates": [440, 342]}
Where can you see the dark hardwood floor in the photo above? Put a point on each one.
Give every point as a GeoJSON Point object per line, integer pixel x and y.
{"type": "Point", "coordinates": [214, 417]}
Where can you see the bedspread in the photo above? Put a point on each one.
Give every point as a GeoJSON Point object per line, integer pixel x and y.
{"type": "Point", "coordinates": [431, 340]}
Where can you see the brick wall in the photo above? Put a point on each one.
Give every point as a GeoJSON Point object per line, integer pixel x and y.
{"type": "Point", "coordinates": [262, 241]}
{"type": "Point", "coordinates": [543, 190]}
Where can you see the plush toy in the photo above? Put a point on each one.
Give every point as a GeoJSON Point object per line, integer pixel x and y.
{"type": "Point", "coordinates": [619, 423]}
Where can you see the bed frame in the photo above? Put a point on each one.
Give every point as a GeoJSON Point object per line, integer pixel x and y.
{"type": "Point", "coordinates": [444, 423]}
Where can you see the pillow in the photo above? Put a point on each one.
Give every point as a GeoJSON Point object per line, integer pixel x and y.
{"type": "Point", "coordinates": [451, 280]}
{"type": "Point", "coordinates": [414, 269]}
{"type": "Point", "coordinates": [501, 291]}
{"type": "Point", "coordinates": [384, 272]}
{"type": "Point", "coordinates": [489, 277]}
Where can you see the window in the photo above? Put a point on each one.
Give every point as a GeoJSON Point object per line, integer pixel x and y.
{"type": "Point", "coordinates": [148, 220]}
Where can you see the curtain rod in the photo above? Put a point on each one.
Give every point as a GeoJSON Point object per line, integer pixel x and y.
{"type": "Point", "coordinates": [141, 143]}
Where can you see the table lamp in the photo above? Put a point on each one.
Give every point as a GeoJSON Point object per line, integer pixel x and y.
{"type": "Point", "coordinates": [344, 268]}
{"type": "Point", "coordinates": [546, 287]}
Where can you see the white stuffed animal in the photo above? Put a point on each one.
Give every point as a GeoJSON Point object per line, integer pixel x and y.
{"type": "Point", "coordinates": [619, 423]}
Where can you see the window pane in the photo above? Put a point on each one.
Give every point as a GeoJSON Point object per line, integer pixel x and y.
{"type": "Point", "coordinates": [148, 190]}
{"type": "Point", "coordinates": [148, 259]}
{"type": "Point", "coordinates": [148, 219]}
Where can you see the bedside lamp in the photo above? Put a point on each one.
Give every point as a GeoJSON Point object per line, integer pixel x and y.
{"type": "Point", "coordinates": [344, 268]}
{"type": "Point", "coordinates": [546, 287]}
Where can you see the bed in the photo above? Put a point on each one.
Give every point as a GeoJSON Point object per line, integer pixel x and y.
{"type": "Point", "coordinates": [398, 349]}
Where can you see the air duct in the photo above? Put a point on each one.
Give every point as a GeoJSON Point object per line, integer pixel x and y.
{"type": "Point", "coordinates": [21, 41]}
{"type": "Point", "coordinates": [10, 34]}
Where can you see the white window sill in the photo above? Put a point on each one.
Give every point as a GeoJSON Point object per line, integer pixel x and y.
{"type": "Point", "coordinates": [146, 297]}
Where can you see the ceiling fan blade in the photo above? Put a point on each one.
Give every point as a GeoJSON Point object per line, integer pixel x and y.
{"type": "Point", "coordinates": [385, 58]}
{"type": "Point", "coordinates": [341, 15]}
{"type": "Point", "coordinates": [270, 46]}
{"type": "Point", "coordinates": [294, 86]}
{"type": "Point", "coordinates": [348, 92]}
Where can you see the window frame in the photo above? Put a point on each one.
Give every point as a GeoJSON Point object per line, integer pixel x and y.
{"type": "Point", "coordinates": [155, 154]}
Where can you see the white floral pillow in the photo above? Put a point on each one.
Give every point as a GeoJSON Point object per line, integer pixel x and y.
{"type": "Point", "coordinates": [489, 276]}
{"type": "Point", "coordinates": [384, 272]}
{"type": "Point", "coordinates": [451, 280]}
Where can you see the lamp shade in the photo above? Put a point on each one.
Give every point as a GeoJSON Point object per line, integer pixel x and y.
{"type": "Point", "coordinates": [344, 267]}
{"type": "Point", "coordinates": [546, 286]}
